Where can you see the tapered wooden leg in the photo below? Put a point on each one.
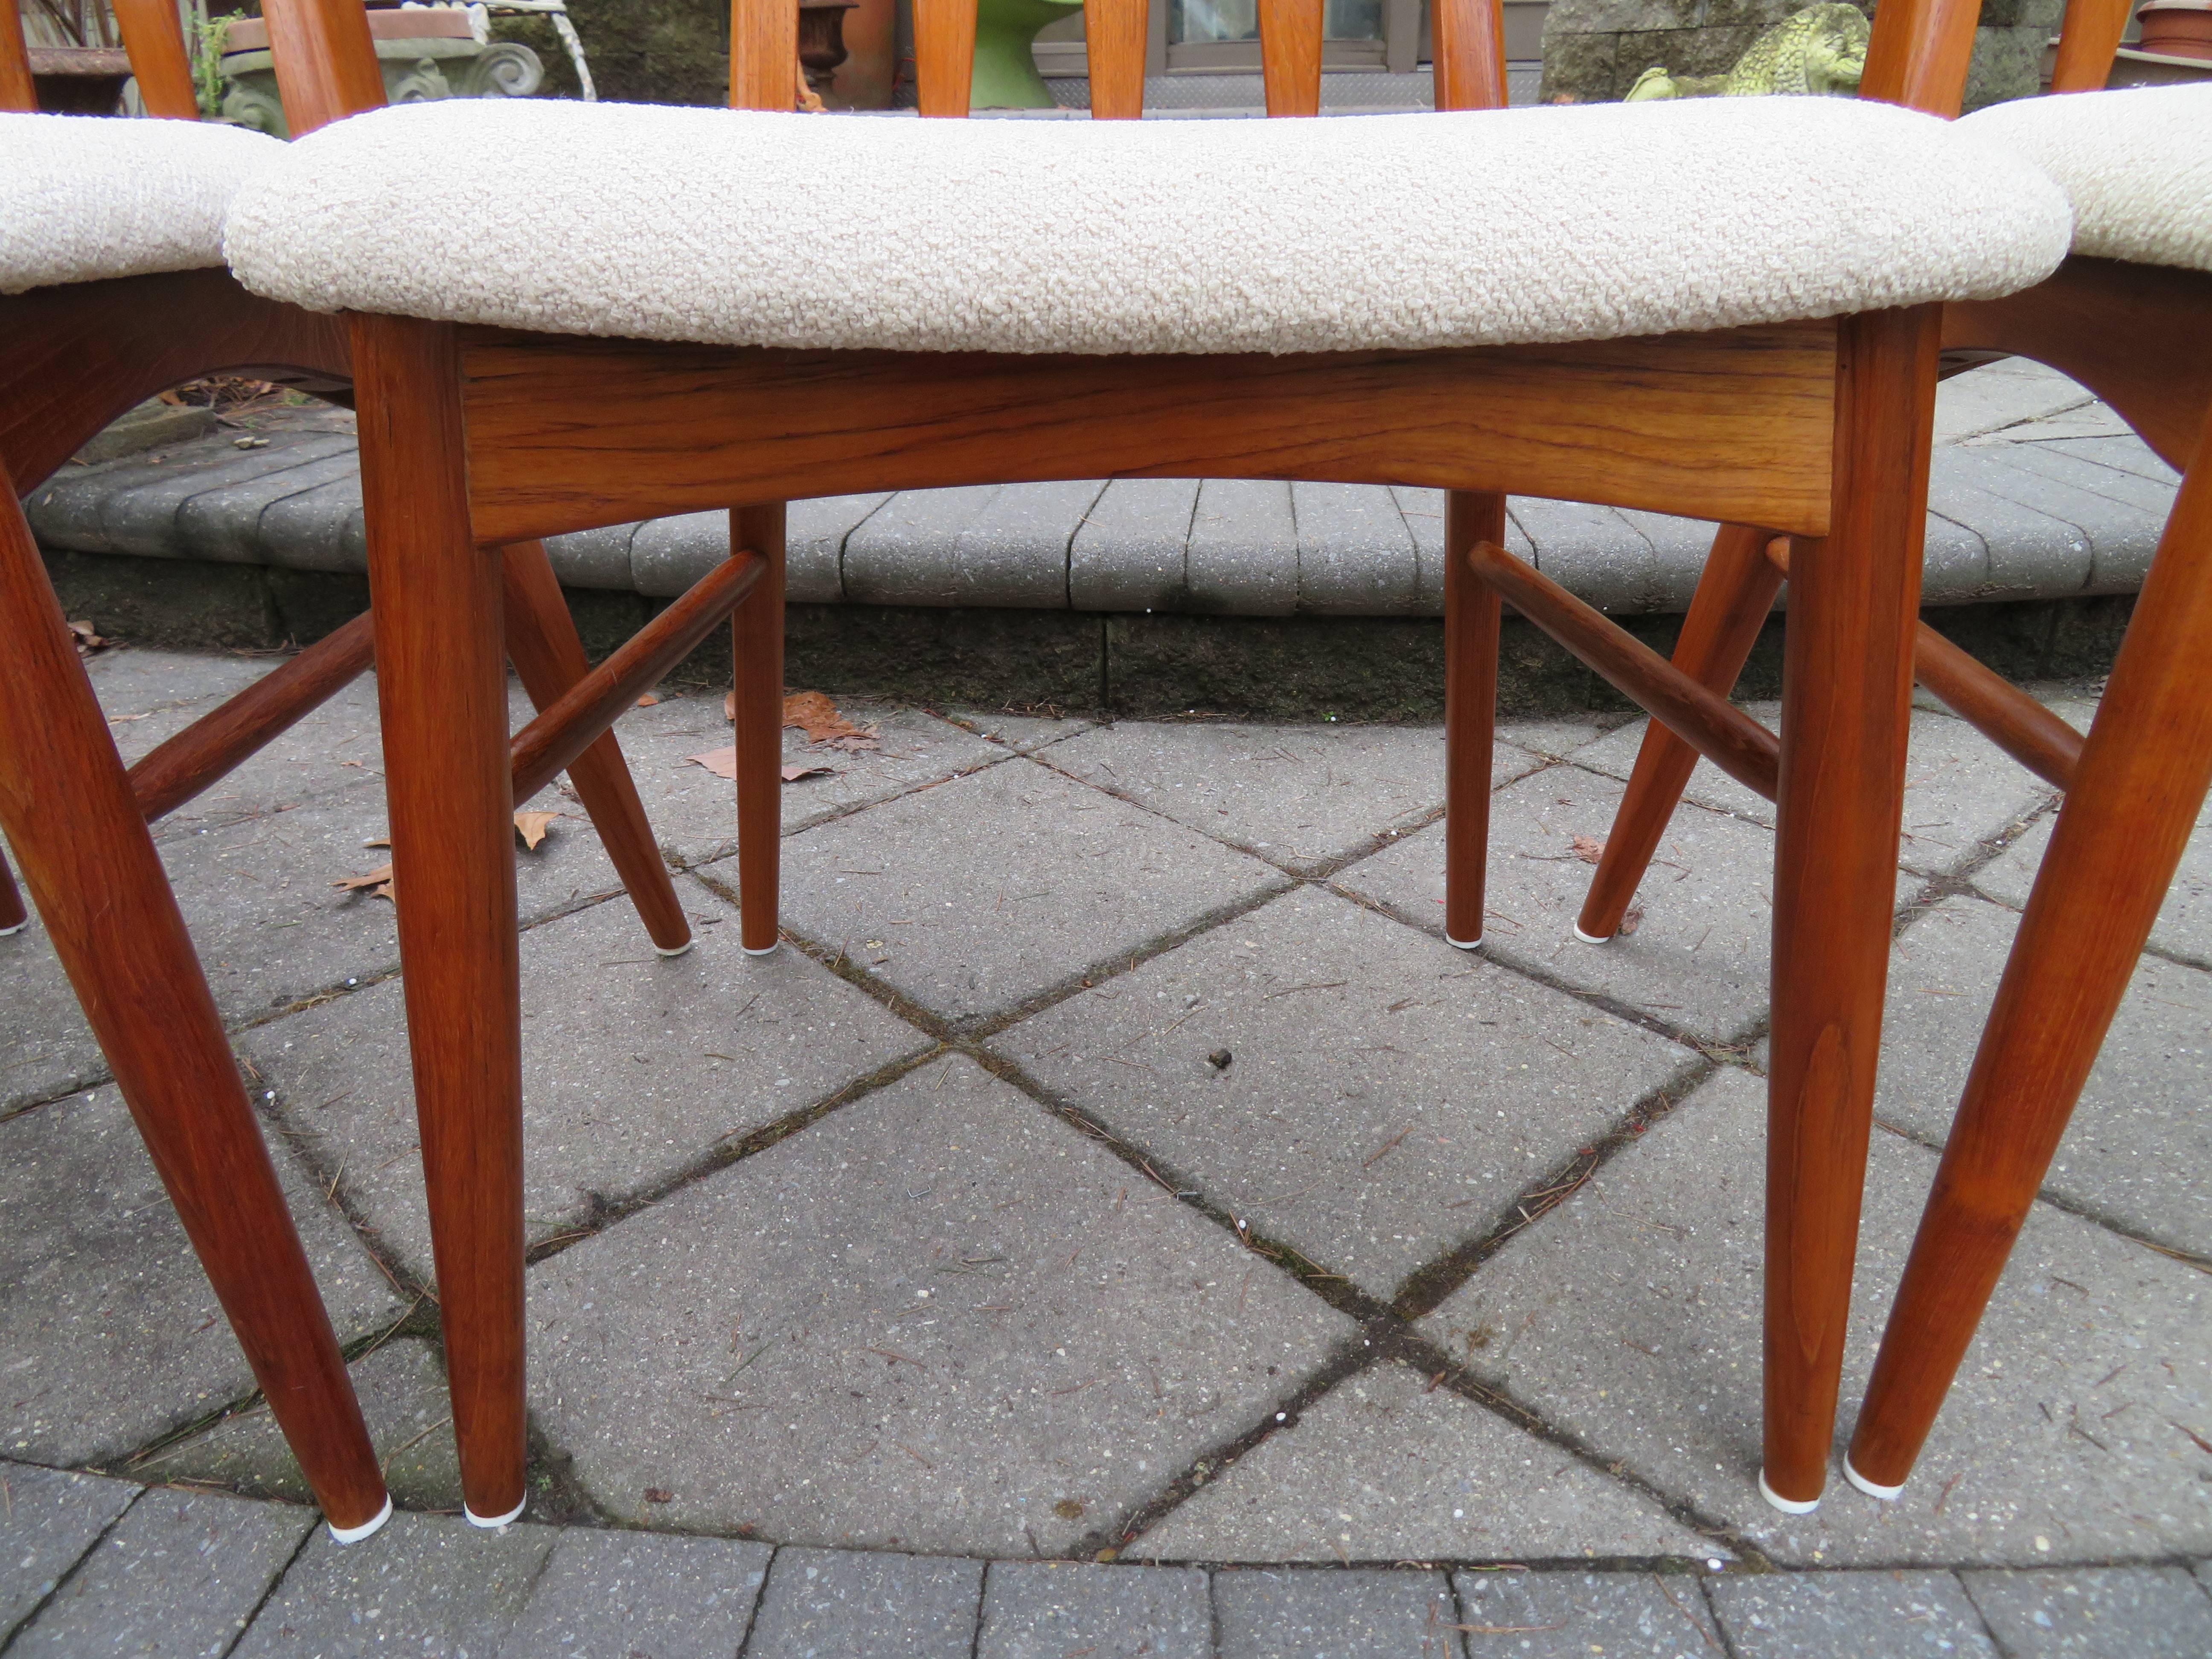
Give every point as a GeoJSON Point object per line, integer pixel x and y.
{"type": "Point", "coordinates": [13, 916]}
{"type": "Point", "coordinates": [548, 657]}
{"type": "Point", "coordinates": [1846, 697]}
{"type": "Point", "coordinates": [90, 865]}
{"type": "Point", "coordinates": [441, 686]}
{"type": "Point", "coordinates": [1471, 618]}
{"type": "Point", "coordinates": [2137, 791]}
{"type": "Point", "coordinates": [756, 643]}
{"type": "Point", "coordinates": [1733, 597]}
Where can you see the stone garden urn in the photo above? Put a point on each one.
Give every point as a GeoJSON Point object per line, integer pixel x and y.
{"type": "Point", "coordinates": [425, 52]}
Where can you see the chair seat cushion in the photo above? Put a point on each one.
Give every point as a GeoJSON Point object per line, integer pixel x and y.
{"type": "Point", "coordinates": [2136, 164]}
{"type": "Point", "coordinates": [1374, 232]}
{"type": "Point", "coordinates": [86, 197]}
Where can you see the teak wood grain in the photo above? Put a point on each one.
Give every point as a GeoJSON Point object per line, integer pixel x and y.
{"type": "Point", "coordinates": [154, 35]}
{"type": "Point", "coordinates": [572, 432]}
{"type": "Point", "coordinates": [1846, 703]}
{"type": "Point", "coordinates": [2135, 334]}
{"type": "Point", "coordinates": [1113, 50]}
{"type": "Point", "coordinates": [19, 93]}
{"type": "Point", "coordinates": [442, 689]}
{"type": "Point", "coordinates": [2139, 784]}
{"type": "Point", "coordinates": [756, 708]}
{"type": "Point", "coordinates": [1290, 56]}
{"type": "Point", "coordinates": [1472, 614]}
{"type": "Point", "coordinates": [69, 813]}
{"type": "Point", "coordinates": [74, 357]}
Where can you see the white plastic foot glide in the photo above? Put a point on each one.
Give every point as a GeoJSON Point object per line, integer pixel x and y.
{"type": "Point", "coordinates": [17, 928]}
{"type": "Point", "coordinates": [762, 950]}
{"type": "Point", "coordinates": [1474, 944]}
{"type": "Point", "coordinates": [475, 1520]}
{"type": "Point", "coordinates": [367, 1529]}
{"type": "Point", "coordinates": [1888, 1494]}
{"type": "Point", "coordinates": [1592, 939]}
{"type": "Point", "coordinates": [683, 949]}
{"type": "Point", "coordinates": [1787, 1505]}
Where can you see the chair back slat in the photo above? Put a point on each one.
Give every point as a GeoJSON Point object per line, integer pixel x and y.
{"type": "Point", "coordinates": [944, 55]}
{"type": "Point", "coordinates": [18, 92]}
{"type": "Point", "coordinates": [155, 37]}
{"type": "Point", "coordinates": [2087, 43]}
{"type": "Point", "coordinates": [1290, 55]}
{"type": "Point", "coordinates": [764, 55]}
{"type": "Point", "coordinates": [1919, 53]}
{"type": "Point", "coordinates": [325, 62]}
{"type": "Point", "coordinates": [1113, 41]}
{"type": "Point", "coordinates": [1470, 53]}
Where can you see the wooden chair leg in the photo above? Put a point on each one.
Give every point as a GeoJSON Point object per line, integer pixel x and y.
{"type": "Point", "coordinates": [1733, 597]}
{"type": "Point", "coordinates": [441, 687]}
{"type": "Point", "coordinates": [548, 657]}
{"type": "Point", "coordinates": [2139, 786]}
{"type": "Point", "coordinates": [12, 917]}
{"type": "Point", "coordinates": [1471, 618]}
{"type": "Point", "coordinates": [89, 863]}
{"type": "Point", "coordinates": [757, 645]}
{"type": "Point", "coordinates": [1846, 696]}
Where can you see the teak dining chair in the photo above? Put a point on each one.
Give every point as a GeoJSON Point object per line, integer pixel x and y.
{"type": "Point", "coordinates": [2129, 315]}
{"type": "Point", "coordinates": [111, 289]}
{"type": "Point", "coordinates": [1479, 301]}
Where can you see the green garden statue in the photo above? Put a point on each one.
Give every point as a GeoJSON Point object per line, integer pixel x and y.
{"type": "Point", "coordinates": [1819, 51]}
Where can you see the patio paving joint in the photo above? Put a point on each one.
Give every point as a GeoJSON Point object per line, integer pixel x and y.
{"type": "Point", "coordinates": [1429, 1286]}
{"type": "Point", "coordinates": [608, 1212]}
{"type": "Point", "coordinates": [1357, 1354]}
{"type": "Point", "coordinates": [62, 1579]}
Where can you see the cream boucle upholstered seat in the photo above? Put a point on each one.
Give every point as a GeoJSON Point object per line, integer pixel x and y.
{"type": "Point", "coordinates": [2136, 164]}
{"type": "Point", "coordinates": [1380, 232]}
{"type": "Point", "coordinates": [83, 198]}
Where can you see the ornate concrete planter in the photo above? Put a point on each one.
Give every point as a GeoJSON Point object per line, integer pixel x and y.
{"type": "Point", "coordinates": [424, 54]}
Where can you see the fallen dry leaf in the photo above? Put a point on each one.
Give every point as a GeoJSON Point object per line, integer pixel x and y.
{"type": "Point", "coordinates": [816, 715]}
{"type": "Point", "coordinates": [648, 700]}
{"type": "Point", "coordinates": [730, 705]}
{"type": "Point", "coordinates": [658, 1495]}
{"type": "Point", "coordinates": [722, 763]}
{"type": "Point", "coordinates": [793, 773]}
{"type": "Point", "coordinates": [532, 827]}
{"type": "Point", "coordinates": [87, 639]}
{"type": "Point", "coordinates": [1632, 921]}
{"type": "Point", "coordinates": [377, 884]}
{"type": "Point", "coordinates": [1588, 848]}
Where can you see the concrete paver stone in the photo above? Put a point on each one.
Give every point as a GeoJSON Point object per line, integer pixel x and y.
{"type": "Point", "coordinates": [814, 537]}
{"type": "Point", "coordinates": [1129, 555]}
{"type": "Point", "coordinates": [2115, 1613]}
{"type": "Point", "coordinates": [976, 896]}
{"type": "Point", "coordinates": [2139, 1149]}
{"type": "Point", "coordinates": [110, 1334]}
{"type": "Point", "coordinates": [1290, 1615]}
{"type": "Point", "coordinates": [1023, 1342]}
{"type": "Point", "coordinates": [1631, 1319]}
{"type": "Point", "coordinates": [50, 1520]}
{"type": "Point", "coordinates": [1851, 1615]}
{"type": "Point", "coordinates": [634, 1066]}
{"type": "Point", "coordinates": [1303, 797]}
{"type": "Point", "coordinates": [1049, 1609]}
{"type": "Point", "coordinates": [623, 1593]}
{"type": "Point", "coordinates": [427, 1583]}
{"type": "Point", "coordinates": [1376, 1108]}
{"type": "Point", "coordinates": [1356, 556]}
{"type": "Point", "coordinates": [402, 1390]}
{"type": "Point", "coordinates": [1698, 959]}
{"type": "Point", "coordinates": [1384, 1468]}
{"type": "Point", "coordinates": [694, 812]}
{"type": "Point", "coordinates": [182, 1573]}
{"type": "Point", "coordinates": [1023, 733]}
{"type": "Point", "coordinates": [824, 1604]}
{"type": "Point", "coordinates": [1570, 1615]}
{"type": "Point", "coordinates": [1242, 556]}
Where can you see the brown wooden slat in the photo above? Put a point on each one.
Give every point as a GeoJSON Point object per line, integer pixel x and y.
{"type": "Point", "coordinates": [567, 433]}
{"type": "Point", "coordinates": [1290, 55]}
{"type": "Point", "coordinates": [1707, 722]}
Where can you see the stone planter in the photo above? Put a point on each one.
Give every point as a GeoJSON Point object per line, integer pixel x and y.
{"type": "Point", "coordinates": [424, 54]}
{"type": "Point", "coordinates": [1006, 65]}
